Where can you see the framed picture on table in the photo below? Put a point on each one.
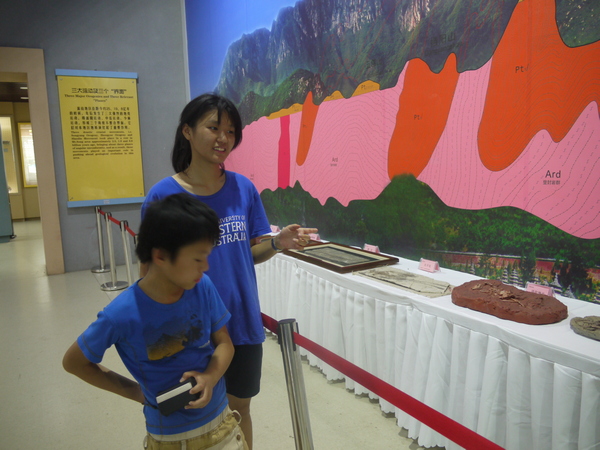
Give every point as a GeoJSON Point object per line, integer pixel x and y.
{"type": "Point", "coordinates": [340, 258]}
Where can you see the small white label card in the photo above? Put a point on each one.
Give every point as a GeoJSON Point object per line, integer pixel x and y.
{"type": "Point", "coordinates": [371, 248]}
{"type": "Point", "coordinates": [314, 237]}
{"type": "Point", "coordinates": [539, 289]}
{"type": "Point", "coordinates": [429, 266]}
{"type": "Point", "coordinates": [275, 229]}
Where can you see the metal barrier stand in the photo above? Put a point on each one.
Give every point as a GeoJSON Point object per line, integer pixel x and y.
{"type": "Point", "coordinates": [102, 267]}
{"type": "Point", "coordinates": [112, 285]}
{"type": "Point", "coordinates": [123, 225]}
{"type": "Point", "coordinates": [295, 384]}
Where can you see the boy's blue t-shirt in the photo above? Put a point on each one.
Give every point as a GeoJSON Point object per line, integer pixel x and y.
{"type": "Point", "coordinates": [158, 343]}
{"type": "Point", "coordinates": [241, 218]}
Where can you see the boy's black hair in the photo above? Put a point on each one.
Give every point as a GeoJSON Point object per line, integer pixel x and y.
{"type": "Point", "coordinates": [174, 222]}
{"type": "Point", "coordinates": [181, 155]}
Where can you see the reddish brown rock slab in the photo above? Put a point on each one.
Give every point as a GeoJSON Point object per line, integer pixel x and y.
{"type": "Point", "coordinates": [509, 302]}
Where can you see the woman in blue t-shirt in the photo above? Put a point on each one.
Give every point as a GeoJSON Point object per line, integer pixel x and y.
{"type": "Point", "coordinates": [210, 127]}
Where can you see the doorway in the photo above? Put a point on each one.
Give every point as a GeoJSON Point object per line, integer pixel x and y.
{"type": "Point", "coordinates": [18, 148]}
{"type": "Point", "coordinates": [31, 63]}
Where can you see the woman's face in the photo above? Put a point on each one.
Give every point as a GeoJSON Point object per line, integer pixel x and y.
{"type": "Point", "coordinates": [211, 141]}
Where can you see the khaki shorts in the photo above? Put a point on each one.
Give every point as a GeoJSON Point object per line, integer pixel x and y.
{"type": "Point", "coordinates": [227, 435]}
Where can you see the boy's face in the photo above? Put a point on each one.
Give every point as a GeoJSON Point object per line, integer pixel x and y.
{"type": "Point", "coordinates": [191, 262]}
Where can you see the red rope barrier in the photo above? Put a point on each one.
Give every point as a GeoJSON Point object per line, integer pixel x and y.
{"type": "Point", "coordinates": [447, 427]}
{"type": "Point", "coordinates": [269, 323]}
{"type": "Point", "coordinates": [113, 220]}
{"type": "Point", "coordinates": [130, 231]}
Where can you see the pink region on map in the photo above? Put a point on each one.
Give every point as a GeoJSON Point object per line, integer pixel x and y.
{"type": "Point", "coordinates": [347, 160]}
{"type": "Point", "coordinates": [348, 155]}
{"type": "Point", "coordinates": [256, 156]}
{"type": "Point", "coordinates": [557, 182]}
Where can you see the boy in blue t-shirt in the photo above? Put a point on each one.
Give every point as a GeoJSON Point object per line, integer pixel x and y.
{"type": "Point", "coordinates": [167, 328]}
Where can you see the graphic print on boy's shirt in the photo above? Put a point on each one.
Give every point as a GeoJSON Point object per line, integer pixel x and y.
{"type": "Point", "coordinates": [173, 337]}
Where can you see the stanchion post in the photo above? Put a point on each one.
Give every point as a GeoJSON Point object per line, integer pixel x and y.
{"type": "Point", "coordinates": [295, 384]}
{"type": "Point", "coordinates": [112, 285]}
{"type": "Point", "coordinates": [123, 225]}
{"type": "Point", "coordinates": [102, 267]}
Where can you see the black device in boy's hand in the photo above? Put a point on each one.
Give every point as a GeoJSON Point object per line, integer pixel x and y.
{"type": "Point", "coordinates": [176, 397]}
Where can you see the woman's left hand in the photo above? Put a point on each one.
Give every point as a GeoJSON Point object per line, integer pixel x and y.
{"type": "Point", "coordinates": [294, 237]}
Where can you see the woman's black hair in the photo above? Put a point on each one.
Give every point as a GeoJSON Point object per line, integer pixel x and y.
{"type": "Point", "coordinates": [174, 222]}
{"type": "Point", "coordinates": [181, 155]}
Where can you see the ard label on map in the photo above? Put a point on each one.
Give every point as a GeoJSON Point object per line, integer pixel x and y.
{"type": "Point", "coordinates": [539, 289]}
{"type": "Point", "coordinates": [371, 248]}
{"type": "Point", "coordinates": [429, 266]}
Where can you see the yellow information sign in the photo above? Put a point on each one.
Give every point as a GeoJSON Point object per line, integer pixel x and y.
{"type": "Point", "coordinates": [101, 136]}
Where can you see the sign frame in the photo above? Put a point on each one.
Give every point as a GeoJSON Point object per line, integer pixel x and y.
{"type": "Point", "coordinates": [101, 137]}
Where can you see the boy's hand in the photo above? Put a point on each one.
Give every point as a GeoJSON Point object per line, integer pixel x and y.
{"type": "Point", "coordinates": [204, 387]}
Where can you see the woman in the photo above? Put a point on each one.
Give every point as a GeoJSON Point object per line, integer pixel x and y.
{"type": "Point", "coordinates": [210, 127]}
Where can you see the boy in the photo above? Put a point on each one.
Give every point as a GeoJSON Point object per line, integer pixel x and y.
{"type": "Point", "coordinates": [167, 328]}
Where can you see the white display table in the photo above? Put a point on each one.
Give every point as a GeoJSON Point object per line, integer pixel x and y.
{"type": "Point", "coordinates": [521, 386]}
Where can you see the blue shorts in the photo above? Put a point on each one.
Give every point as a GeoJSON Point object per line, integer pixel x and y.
{"type": "Point", "coordinates": [243, 375]}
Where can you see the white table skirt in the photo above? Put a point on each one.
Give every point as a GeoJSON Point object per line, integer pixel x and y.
{"type": "Point", "coordinates": [521, 386]}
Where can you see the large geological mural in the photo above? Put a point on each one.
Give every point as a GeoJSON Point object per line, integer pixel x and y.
{"type": "Point", "coordinates": [486, 104]}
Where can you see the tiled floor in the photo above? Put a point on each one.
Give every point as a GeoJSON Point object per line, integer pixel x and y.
{"type": "Point", "coordinates": [44, 407]}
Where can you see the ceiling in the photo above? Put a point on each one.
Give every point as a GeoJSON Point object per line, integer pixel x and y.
{"type": "Point", "coordinates": [13, 92]}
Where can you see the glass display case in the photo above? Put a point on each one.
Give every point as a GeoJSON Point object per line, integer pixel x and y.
{"type": "Point", "coordinates": [9, 154]}
{"type": "Point", "coordinates": [27, 155]}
